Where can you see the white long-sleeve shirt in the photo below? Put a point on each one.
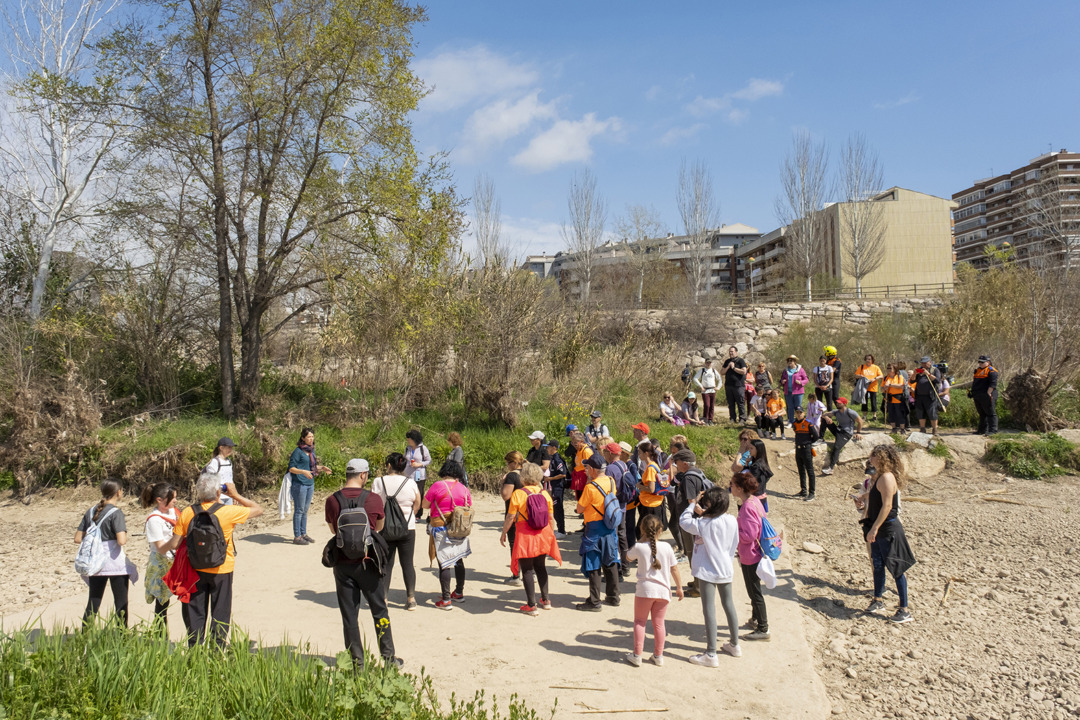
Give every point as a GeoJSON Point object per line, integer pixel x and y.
{"type": "Point", "coordinates": [707, 379]}
{"type": "Point", "coordinates": [715, 545]}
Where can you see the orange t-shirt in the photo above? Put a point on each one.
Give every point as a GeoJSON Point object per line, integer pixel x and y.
{"type": "Point", "coordinates": [520, 497]}
{"type": "Point", "coordinates": [579, 459]}
{"type": "Point", "coordinates": [228, 516]}
{"type": "Point", "coordinates": [873, 375]}
{"type": "Point", "coordinates": [775, 405]}
{"type": "Point", "coordinates": [651, 475]}
{"type": "Point", "coordinates": [593, 500]}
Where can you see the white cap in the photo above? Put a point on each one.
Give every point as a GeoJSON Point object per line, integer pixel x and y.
{"type": "Point", "coordinates": [537, 435]}
{"type": "Point", "coordinates": [356, 466]}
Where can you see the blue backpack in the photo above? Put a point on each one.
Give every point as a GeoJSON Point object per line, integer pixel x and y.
{"type": "Point", "coordinates": [613, 512]}
{"type": "Point", "coordinates": [770, 541]}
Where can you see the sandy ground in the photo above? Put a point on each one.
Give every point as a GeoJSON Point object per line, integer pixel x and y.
{"type": "Point", "coordinates": [1004, 645]}
{"type": "Point", "coordinates": [283, 595]}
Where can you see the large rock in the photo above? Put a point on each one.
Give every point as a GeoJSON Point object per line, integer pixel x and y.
{"type": "Point", "coordinates": [920, 464]}
{"type": "Point", "coordinates": [741, 348]}
{"type": "Point", "coordinates": [767, 333]}
{"type": "Point", "coordinates": [1071, 434]}
{"type": "Point", "coordinates": [973, 445]}
{"type": "Point", "coordinates": [921, 439]}
{"type": "Point", "coordinates": [709, 353]}
{"type": "Point", "coordinates": [859, 450]}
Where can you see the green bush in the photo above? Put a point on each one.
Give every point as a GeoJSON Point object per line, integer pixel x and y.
{"type": "Point", "coordinates": [120, 674]}
{"type": "Point", "coordinates": [1035, 456]}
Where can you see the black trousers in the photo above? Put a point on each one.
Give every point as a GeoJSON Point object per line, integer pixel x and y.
{"type": "Point", "coordinates": [986, 406]}
{"type": "Point", "coordinates": [560, 513]}
{"type": "Point", "coordinates": [454, 572]}
{"type": "Point", "coordinates": [119, 584]}
{"type": "Point", "coordinates": [213, 597]}
{"type": "Point", "coordinates": [736, 402]}
{"type": "Point", "coordinates": [757, 601]}
{"type": "Point", "coordinates": [353, 582]}
{"type": "Point", "coordinates": [510, 535]}
{"type": "Point", "coordinates": [624, 545]}
{"type": "Point", "coordinates": [643, 511]}
{"type": "Point", "coordinates": [838, 445]}
{"type": "Point", "coordinates": [673, 521]}
{"type": "Point", "coordinates": [825, 396]}
{"type": "Point", "coordinates": [533, 571]}
{"type": "Point", "coordinates": [404, 548]}
{"type": "Point", "coordinates": [804, 460]}
{"type": "Point", "coordinates": [630, 522]}
{"type": "Point", "coordinates": [610, 575]}
{"type": "Point", "coordinates": [871, 398]}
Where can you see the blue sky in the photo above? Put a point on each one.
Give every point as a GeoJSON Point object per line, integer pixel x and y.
{"type": "Point", "coordinates": [529, 93]}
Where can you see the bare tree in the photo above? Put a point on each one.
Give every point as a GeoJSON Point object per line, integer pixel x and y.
{"type": "Point", "coordinates": [487, 224]}
{"type": "Point", "coordinates": [1052, 214]}
{"type": "Point", "coordinates": [862, 221]}
{"type": "Point", "coordinates": [700, 213]}
{"type": "Point", "coordinates": [803, 177]}
{"type": "Point", "coordinates": [588, 213]}
{"type": "Point", "coordinates": [60, 126]}
{"type": "Point", "coordinates": [637, 227]}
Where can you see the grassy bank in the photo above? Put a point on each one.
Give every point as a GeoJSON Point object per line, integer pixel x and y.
{"type": "Point", "coordinates": [1035, 456]}
{"type": "Point", "coordinates": [121, 674]}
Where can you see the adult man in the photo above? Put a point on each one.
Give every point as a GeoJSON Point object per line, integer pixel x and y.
{"type": "Point", "coordinates": [686, 376]}
{"type": "Point", "coordinates": [734, 370]}
{"type": "Point", "coordinates": [707, 379]}
{"type": "Point", "coordinates": [616, 470]}
{"type": "Point", "coordinates": [806, 434]}
{"type": "Point", "coordinates": [537, 454]}
{"type": "Point", "coordinates": [844, 423]}
{"type": "Point", "coordinates": [691, 481]}
{"type": "Point", "coordinates": [641, 434]}
{"type": "Point", "coordinates": [213, 591]}
{"type": "Point", "coordinates": [924, 384]}
{"type": "Point", "coordinates": [984, 392]}
{"type": "Point", "coordinates": [599, 543]}
{"type": "Point", "coordinates": [354, 579]}
{"type": "Point", "coordinates": [559, 476]}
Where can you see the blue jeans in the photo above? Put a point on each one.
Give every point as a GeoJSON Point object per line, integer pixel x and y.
{"type": "Point", "coordinates": [878, 550]}
{"type": "Point", "coordinates": [793, 401]}
{"type": "Point", "coordinates": [301, 499]}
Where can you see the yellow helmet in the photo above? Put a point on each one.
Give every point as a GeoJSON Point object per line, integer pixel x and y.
{"type": "Point", "coordinates": [829, 350]}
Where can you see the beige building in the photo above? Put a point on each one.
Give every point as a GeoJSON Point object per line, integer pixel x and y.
{"type": "Point", "coordinates": [917, 249]}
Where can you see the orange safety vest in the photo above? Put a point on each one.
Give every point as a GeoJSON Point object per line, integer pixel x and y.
{"type": "Point", "coordinates": [983, 373]}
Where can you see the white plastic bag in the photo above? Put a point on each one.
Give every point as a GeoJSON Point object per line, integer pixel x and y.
{"type": "Point", "coordinates": [767, 572]}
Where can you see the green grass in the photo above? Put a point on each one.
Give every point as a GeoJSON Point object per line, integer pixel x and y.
{"type": "Point", "coordinates": [1035, 456]}
{"type": "Point", "coordinates": [941, 450]}
{"type": "Point", "coordinates": [110, 673]}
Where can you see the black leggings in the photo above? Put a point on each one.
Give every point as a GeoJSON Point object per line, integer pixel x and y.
{"type": "Point", "coordinates": [871, 397]}
{"type": "Point", "coordinates": [457, 571]}
{"type": "Point", "coordinates": [531, 567]}
{"type": "Point", "coordinates": [119, 584]}
{"type": "Point", "coordinates": [405, 547]}
{"type": "Point", "coordinates": [759, 616]}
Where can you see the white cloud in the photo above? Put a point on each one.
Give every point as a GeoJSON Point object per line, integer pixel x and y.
{"type": "Point", "coordinates": [911, 97]}
{"type": "Point", "coordinates": [678, 134]}
{"type": "Point", "coordinates": [758, 88]}
{"type": "Point", "coordinates": [503, 119]}
{"type": "Point", "coordinates": [653, 93]}
{"type": "Point", "coordinates": [522, 236]}
{"type": "Point", "coordinates": [707, 106]}
{"type": "Point", "coordinates": [566, 141]}
{"type": "Point", "coordinates": [737, 116]}
{"type": "Point", "coordinates": [460, 77]}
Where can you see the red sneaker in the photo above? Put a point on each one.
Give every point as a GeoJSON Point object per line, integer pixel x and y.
{"type": "Point", "coordinates": [457, 596]}
{"type": "Point", "coordinates": [529, 610]}
{"type": "Point", "coordinates": [443, 604]}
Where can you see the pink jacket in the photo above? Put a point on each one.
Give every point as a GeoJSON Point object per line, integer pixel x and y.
{"type": "Point", "coordinates": [794, 383]}
{"type": "Point", "coordinates": [749, 520]}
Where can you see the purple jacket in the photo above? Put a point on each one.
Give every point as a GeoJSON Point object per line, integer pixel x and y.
{"type": "Point", "coordinates": [795, 382]}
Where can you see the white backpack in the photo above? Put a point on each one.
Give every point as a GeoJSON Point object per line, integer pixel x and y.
{"type": "Point", "coordinates": [91, 556]}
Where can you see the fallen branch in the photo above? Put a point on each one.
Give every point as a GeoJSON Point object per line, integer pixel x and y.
{"type": "Point", "coordinates": [577, 687]}
{"type": "Point", "coordinates": [926, 501]}
{"type": "Point", "coordinates": [635, 710]}
{"type": "Point", "coordinates": [1013, 502]}
{"type": "Point", "coordinates": [999, 491]}
{"type": "Point", "coordinates": [948, 587]}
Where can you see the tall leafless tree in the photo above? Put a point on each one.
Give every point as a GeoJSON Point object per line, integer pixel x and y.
{"type": "Point", "coordinates": [59, 126]}
{"type": "Point", "coordinates": [862, 220]}
{"type": "Point", "coordinates": [487, 224]}
{"type": "Point", "coordinates": [585, 232]}
{"type": "Point", "coordinates": [804, 180]}
{"type": "Point", "coordinates": [637, 227]}
{"type": "Point", "coordinates": [1052, 214]}
{"type": "Point", "coordinates": [700, 213]}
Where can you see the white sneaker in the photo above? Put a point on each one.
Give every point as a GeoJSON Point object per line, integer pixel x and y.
{"type": "Point", "coordinates": [826, 471]}
{"type": "Point", "coordinates": [705, 660]}
{"type": "Point", "coordinates": [633, 659]}
{"type": "Point", "coordinates": [732, 650]}
{"type": "Point", "coordinates": [657, 660]}
{"type": "Point", "coordinates": [559, 535]}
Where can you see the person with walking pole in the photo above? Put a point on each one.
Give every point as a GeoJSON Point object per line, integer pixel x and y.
{"type": "Point", "coordinates": [924, 383]}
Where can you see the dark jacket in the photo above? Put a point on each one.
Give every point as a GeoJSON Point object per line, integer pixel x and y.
{"type": "Point", "coordinates": [691, 482]}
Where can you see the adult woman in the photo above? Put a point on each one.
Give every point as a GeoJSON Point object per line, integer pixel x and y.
{"type": "Point", "coordinates": [758, 466]}
{"type": "Point", "coordinates": [688, 411]}
{"type": "Point", "coordinates": [441, 499]}
{"type": "Point", "coordinates": [742, 459]}
{"type": "Point", "coordinates": [159, 530]}
{"type": "Point", "coordinates": [649, 502]}
{"type": "Point", "coordinates": [774, 413]}
{"type": "Point", "coordinates": [456, 455]}
{"type": "Point", "coordinates": [669, 410]}
{"type": "Point", "coordinates": [580, 453]}
{"type": "Point", "coordinates": [512, 482]}
{"type": "Point", "coordinates": [793, 382]}
{"type": "Point", "coordinates": [744, 487]}
{"type": "Point", "coordinates": [114, 573]}
{"type": "Point", "coordinates": [873, 375]}
{"type": "Point", "coordinates": [303, 466]}
{"type": "Point", "coordinates": [760, 412]}
{"type": "Point", "coordinates": [763, 381]}
{"type": "Point", "coordinates": [530, 545]}
{"type": "Point", "coordinates": [895, 400]}
{"type": "Point", "coordinates": [417, 458]}
{"type": "Point", "coordinates": [889, 549]}
{"type": "Point", "coordinates": [823, 382]}
{"type": "Point", "coordinates": [393, 485]}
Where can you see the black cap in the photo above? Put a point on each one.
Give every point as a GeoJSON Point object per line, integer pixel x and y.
{"type": "Point", "coordinates": [685, 455]}
{"type": "Point", "coordinates": [594, 461]}
{"type": "Point", "coordinates": [984, 358]}
{"type": "Point", "coordinates": [226, 442]}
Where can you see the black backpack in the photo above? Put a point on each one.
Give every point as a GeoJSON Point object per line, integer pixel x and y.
{"type": "Point", "coordinates": [353, 526]}
{"type": "Point", "coordinates": [396, 525]}
{"type": "Point", "coordinates": [206, 546]}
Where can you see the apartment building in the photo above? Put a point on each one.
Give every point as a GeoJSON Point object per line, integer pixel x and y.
{"type": "Point", "coordinates": [1035, 209]}
{"type": "Point", "coordinates": [538, 265]}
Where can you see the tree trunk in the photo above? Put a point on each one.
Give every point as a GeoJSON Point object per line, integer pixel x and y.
{"type": "Point", "coordinates": [250, 359]}
{"type": "Point", "coordinates": [37, 297]}
{"type": "Point", "coordinates": [641, 289]}
{"type": "Point", "coordinates": [809, 289]}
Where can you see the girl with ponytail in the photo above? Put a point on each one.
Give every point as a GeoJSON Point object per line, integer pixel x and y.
{"type": "Point", "coordinates": [656, 568]}
{"type": "Point", "coordinates": [110, 519]}
{"type": "Point", "coordinates": [159, 530]}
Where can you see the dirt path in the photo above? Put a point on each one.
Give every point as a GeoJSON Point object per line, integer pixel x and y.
{"type": "Point", "coordinates": [284, 596]}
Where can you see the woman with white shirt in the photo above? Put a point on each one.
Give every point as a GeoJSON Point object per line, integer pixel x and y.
{"type": "Point", "coordinates": [159, 530]}
{"type": "Point", "coordinates": [417, 458]}
{"type": "Point", "coordinates": [669, 410]}
{"type": "Point", "coordinates": [716, 541]}
{"type": "Point", "coordinates": [222, 466]}
{"type": "Point", "coordinates": [407, 496]}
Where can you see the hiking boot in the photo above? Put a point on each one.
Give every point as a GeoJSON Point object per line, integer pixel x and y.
{"type": "Point", "coordinates": [902, 616]}
{"type": "Point", "coordinates": [802, 493]}
{"type": "Point", "coordinates": [732, 650]}
{"type": "Point", "coordinates": [588, 607]}
{"type": "Point", "coordinates": [762, 635]}
{"type": "Point", "coordinates": [657, 660]}
{"type": "Point", "coordinates": [633, 659]}
{"type": "Point", "coordinates": [809, 498]}
{"type": "Point", "coordinates": [612, 601]}
{"type": "Point", "coordinates": [875, 607]}
{"type": "Point", "coordinates": [529, 610]}
{"type": "Point", "coordinates": [705, 660]}
{"type": "Point", "coordinates": [299, 541]}
{"type": "Point", "coordinates": [394, 662]}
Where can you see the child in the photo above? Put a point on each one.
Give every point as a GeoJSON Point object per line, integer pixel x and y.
{"type": "Point", "coordinates": [656, 568]}
{"type": "Point", "coordinates": [823, 381]}
{"type": "Point", "coordinates": [716, 541]}
{"type": "Point", "coordinates": [159, 530]}
{"type": "Point", "coordinates": [776, 409]}
{"type": "Point", "coordinates": [110, 520]}
{"type": "Point", "coordinates": [806, 434]}
{"type": "Point", "coordinates": [815, 409]}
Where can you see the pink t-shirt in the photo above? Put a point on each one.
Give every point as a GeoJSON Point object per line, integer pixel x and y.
{"type": "Point", "coordinates": [445, 496]}
{"type": "Point", "coordinates": [749, 519]}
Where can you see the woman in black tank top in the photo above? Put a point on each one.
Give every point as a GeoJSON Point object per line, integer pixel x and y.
{"type": "Point", "coordinates": [889, 549]}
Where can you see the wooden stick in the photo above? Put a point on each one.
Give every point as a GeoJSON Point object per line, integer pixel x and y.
{"type": "Point", "coordinates": [1012, 502]}
{"type": "Point", "coordinates": [948, 587]}
{"type": "Point", "coordinates": [577, 687]}
{"type": "Point", "coordinates": [926, 501]}
{"type": "Point", "coordinates": [635, 710]}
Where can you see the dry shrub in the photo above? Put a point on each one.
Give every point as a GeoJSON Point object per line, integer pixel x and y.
{"type": "Point", "coordinates": [172, 465]}
{"type": "Point", "coordinates": [1027, 396]}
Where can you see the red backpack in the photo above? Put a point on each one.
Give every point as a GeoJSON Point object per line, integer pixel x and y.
{"type": "Point", "coordinates": [536, 511]}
